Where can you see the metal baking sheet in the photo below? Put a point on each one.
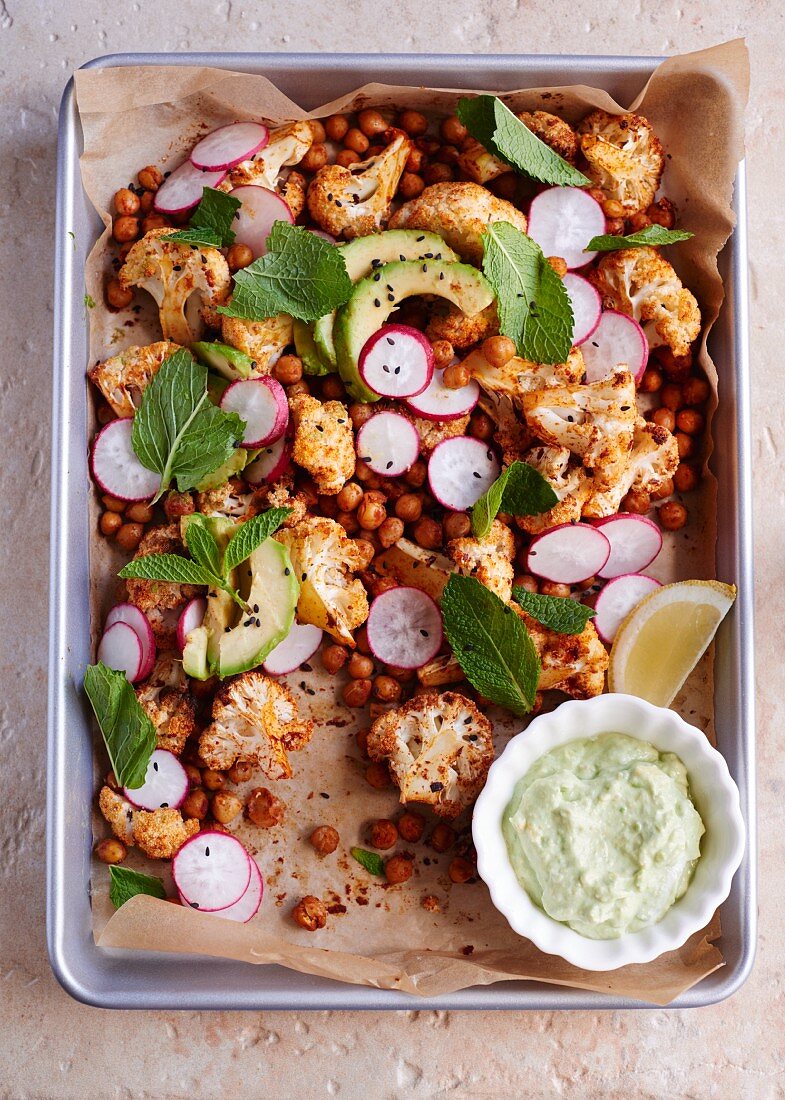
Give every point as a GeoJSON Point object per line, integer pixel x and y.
{"type": "Point", "coordinates": [125, 979]}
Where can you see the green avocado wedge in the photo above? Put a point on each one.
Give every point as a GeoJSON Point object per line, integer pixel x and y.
{"type": "Point", "coordinates": [224, 359]}
{"type": "Point", "coordinates": [307, 349]}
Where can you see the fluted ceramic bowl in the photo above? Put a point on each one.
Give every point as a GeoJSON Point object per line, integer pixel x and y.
{"type": "Point", "coordinates": [713, 791]}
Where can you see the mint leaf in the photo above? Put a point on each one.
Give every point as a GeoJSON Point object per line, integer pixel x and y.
{"type": "Point", "coordinates": [202, 546]}
{"type": "Point", "coordinates": [491, 644]}
{"type": "Point", "coordinates": [520, 490]}
{"type": "Point", "coordinates": [653, 235]}
{"type": "Point", "coordinates": [127, 731]}
{"type": "Point", "coordinates": [165, 567]}
{"type": "Point", "coordinates": [177, 431]}
{"type": "Point", "coordinates": [301, 274]}
{"type": "Point", "coordinates": [125, 883]}
{"type": "Point", "coordinates": [558, 613]}
{"type": "Point", "coordinates": [511, 141]}
{"type": "Point", "coordinates": [251, 535]}
{"type": "Point", "coordinates": [212, 220]}
{"type": "Point", "coordinates": [89, 301]}
{"type": "Point", "coordinates": [372, 862]}
{"type": "Point", "coordinates": [534, 307]}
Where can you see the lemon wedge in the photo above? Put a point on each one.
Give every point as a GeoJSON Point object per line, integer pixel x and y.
{"type": "Point", "coordinates": [662, 639]}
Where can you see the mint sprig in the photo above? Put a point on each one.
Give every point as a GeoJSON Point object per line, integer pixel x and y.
{"type": "Point", "coordinates": [251, 535]}
{"type": "Point", "coordinates": [125, 883]}
{"type": "Point", "coordinates": [512, 142]}
{"type": "Point", "coordinates": [128, 733]}
{"type": "Point", "coordinates": [558, 613]}
{"type": "Point", "coordinates": [533, 304]}
{"type": "Point", "coordinates": [520, 490]}
{"type": "Point", "coordinates": [653, 236]}
{"type": "Point", "coordinates": [212, 220]}
{"type": "Point", "coordinates": [165, 567]}
{"type": "Point", "coordinates": [177, 430]}
{"type": "Point", "coordinates": [300, 274]}
{"type": "Point", "coordinates": [491, 644]}
{"type": "Point", "coordinates": [371, 861]}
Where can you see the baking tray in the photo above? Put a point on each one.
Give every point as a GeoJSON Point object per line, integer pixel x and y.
{"type": "Point", "coordinates": [126, 979]}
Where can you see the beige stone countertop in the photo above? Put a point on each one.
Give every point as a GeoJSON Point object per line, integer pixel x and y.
{"type": "Point", "coordinates": [52, 1047]}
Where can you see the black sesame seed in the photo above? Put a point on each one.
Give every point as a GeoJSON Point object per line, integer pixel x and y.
{"type": "Point", "coordinates": [389, 465]}
{"type": "Point", "coordinates": [376, 302]}
{"type": "Point", "coordinates": [425, 267]}
{"type": "Point", "coordinates": [475, 474]}
{"type": "Point", "coordinates": [422, 238]}
{"type": "Point", "coordinates": [304, 576]}
{"type": "Point", "coordinates": [385, 368]}
{"type": "Point", "coordinates": [390, 341]}
{"type": "Point", "coordinates": [227, 629]}
{"type": "Point", "coordinates": [248, 622]}
{"type": "Point", "coordinates": [177, 267]}
{"type": "Point", "coordinates": [424, 633]}
{"type": "Point", "coordinates": [625, 408]}
{"type": "Point", "coordinates": [155, 766]}
{"type": "Point", "coordinates": [441, 275]}
{"type": "Point", "coordinates": [286, 571]}
{"type": "Point", "coordinates": [207, 850]}
{"type": "Point", "coordinates": [338, 202]}
{"type": "Point", "coordinates": [323, 794]}
{"type": "Point", "coordinates": [164, 806]}
{"type": "Point", "coordinates": [194, 904]}
{"type": "Point", "coordinates": [397, 370]}
{"type": "Point", "coordinates": [256, 608]}
{"type": "Point", "coordinates": [472, 736]}
{"type": "Point", "coordinates": [437, 787]}
{"type": "Point", "coordinates": [320, 427]}
{"type": "Point", "coordinates": [376, 277]}
{"type": "Point", "coordinates": [402, 257]}
{"type": "Point", "coordinates": [390, 297]}
{"type": "Point", "coordinates": [329, 196]}
{"type": "Point", "coordinates": [376, 263]}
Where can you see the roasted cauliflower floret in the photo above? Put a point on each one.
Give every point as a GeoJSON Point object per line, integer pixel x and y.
{"type": "Point", "coordinates": [488, 559]}
{"type": "Point", "coordinates": [166, 700]}
{"type": "Point", "coordinates": [123, 378]}
{"type": "Point", "coordinates": [160, 600]}
{"type": "Point", "coordinates": [280, 495]}
{"type": "Point", "coordinates": [438, 748]}
{"type": "Point", "coordinates": [595, 421]}
{"type": "Point", "coordinates": [654, 458]}
{"type": "Point", "coordinates": [323, 441]}
{"type": "Point", "coordinates": [519, 376]}
{"type": "Point", "coordinates": [569, 482]}
{"type": "Point", "coordinates": [232, 500]}
{"type": "Point", "coordinates": [448, 322]}
{"type": "Point", "coordinates": [641, 283]}
{"type": "Point", "coordinates": [483, 166]}
{"type": "Point", "coordinates": [510, 433]}
{"type": "Point", "coordinates": [264, 340]}
{"type": "Point", "coordinates": [433, 432]}
{"type": "Point", "coordinates": [287, 146]}
{"type": "Point", "coordinates": [325, 559]}
{"type": "Point", "coordinates": [355, 201]}
{"type": "Point", "coordinates": [159, 833]}
{"type": "Point", "coordinates": [625, 158]}
{"type": "Point", "coordinates": [187, 283]}
{"type": "Point", "coordinates": [255, 719]}
{"type": "Point", "coordinates": [459, 213]}
{"type": "Point", "coordinates": [572, 663]}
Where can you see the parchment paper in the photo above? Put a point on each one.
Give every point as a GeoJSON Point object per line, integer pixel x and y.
{"type": "Point", "coordinates": [379, 935]}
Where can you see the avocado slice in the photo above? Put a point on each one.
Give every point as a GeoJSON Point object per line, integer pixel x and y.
{"type": "Point", "coordinates": [364, 254]}
{"type": "Point", "coordinates": [234, 464]}
{"type": "Point", "coordinates": [226, 360]}
{"type": "Point", "coordinates": [200, 655]}
{"type": "Point", "coordinates": [370, 305]}
{"type": "Point", "coordinates": [305, 346]}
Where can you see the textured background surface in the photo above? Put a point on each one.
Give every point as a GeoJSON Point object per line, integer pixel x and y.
{"type": "Point", "coordinates": [52, 1047]}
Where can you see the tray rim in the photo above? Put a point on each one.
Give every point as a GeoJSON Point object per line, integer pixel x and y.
{"type": "Point", "coordinates": [68, 959]}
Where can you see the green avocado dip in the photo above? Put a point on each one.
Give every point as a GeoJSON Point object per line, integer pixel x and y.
{"type": "Point", "coordinates": [603, 835]}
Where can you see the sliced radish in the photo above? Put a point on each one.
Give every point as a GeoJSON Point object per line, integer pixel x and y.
{"type": "Point", "coordinates": [121, 650]}
{"type": "Point", "coordinates": [635, 543]}
{"type": "Point", "coordinates": [404, 628]}
{"type": "Point", "coordinates": [397, 361]}
{"type": "Point", "coordinates": [182, 190]}
{"type": "Point", "coordinates": [254, 220]}
{"type": "Point", "coordinates": [388, 444]}
{"type": "Point", "coordinates": [616, 601]}
{"type": "Point", "coordinates": [325, 236]}
{"type": "Point", "coordinates": [248, 905]}
{"type": "Point", "coordinates": [165, 783]}
{"type": "Point", "coordinates": [262, 404]}
{"type": "Point", "coordinates": [460, 470]}
{"type": "Point", "coordinates": [117, 469]}
{"type": "Point", "coordinates": [586, 306]}
{"type": "Point", "coordinates": [617, 339]}
{"type": "Point", "coordinates": [439, 402]}
{"type": "Point", "coordinates": [299, 645]}
{"type": "Point", "coordinates": [140, 624]}
{"type": "Point", "coordinates": [229, 145]}
{"type": "Point", "coordinates": [211, 871]}
{"type": "Point", "coordinates": [562, 220]}
{"type": "Point", "coordinates": [192, 617]}
{"type": "Point", "coordinates": [270, 465]}
{"type": "Point", "coordinates": [568, 553]}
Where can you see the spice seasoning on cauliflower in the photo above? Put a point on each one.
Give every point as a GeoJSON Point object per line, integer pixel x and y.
{"type": "Point", "coordinates": [572, 663]}
{"type": "Point", "coordinates": [159, 600]}
{"type": "Point", "coordinates": [489, 559]}
{"type": "Point", "coordinates": [123, 378]}
{"type": "Point", "coordinates": [570, 483]}
{"type": "Point", "coordinates": [625, 158]}
{"type": "Point", "coordinates": [323, 441]}
{"type": "Point", "coordinates": [355, 201]}
{"type": "Point", "coordinates": [481, 166]}
{"type": "Point", "coordinates": [264, 340]}
{"type": "Point", "coordinates": [286, 147]}
{"type": "Point", "coordinates": [158, 833]}
{"type": "Point", "coordinates": [654, 458]}
{"type": "Point", "coordinates": [166, 700]}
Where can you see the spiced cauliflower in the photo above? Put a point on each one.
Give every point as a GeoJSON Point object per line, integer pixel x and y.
{"type": "Point", "coordinates": [254, 719]}
{"type": "Point", "coordinates": [572, 663]}
{"type": "Point", "coordinates": [123, 378]}
{"type": "Point", "coordinates": [488, 559]}
{"type": "Point", "coordinates": [158, 833]}
{"type": "Point", "coordinates": [323, 441]}
{"type": "Point", "coordinates": [654, 459]}
{"type": "Point", "coordinates": [169, 705]}
{"type": "Point", "coordinates": [232, 500]}
{"type": "Point", "coordinates": [569, 482]}
{"type": "Point", "coordinates": [519, 376]}
{"type": "Point", "coordinates": [438, 748]}
{"type": "Point", "coordinates": [625, 158]}
{"type": "Point", "coordinates": [264, 340]}
{"type": "Point", "coordinates": [448, 322]}
{"type": "Point", "coordinates": [286, 147]}
{"type": "Point", "coordinates": [481, 166]}
{"type": "Point", "coordinates": [161, 601]}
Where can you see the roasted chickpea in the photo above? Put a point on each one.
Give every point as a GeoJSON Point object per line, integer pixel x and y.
{"type": "Point", "coordinates": [443, 353]}
{"type": "Point", "coordinates": [239, 256]}
{"type": "Point", "coordinates": [110, 523]}
{"type": "Point", "coordinates": [105, 414]}
{"type": "Point", "coordinates": [408, 507]}
{"type": "Point", "coordinates": [318, 132]}
{"type": "Point", "coordinates": [498, 350]}
{"type": "Point", "coordinates": [349, 497]}
{"type": "Point", "coordinates": [336, 127]}
{"type": "Point", "coordinates": [457, 525]}
{"type": "Point", "coordinates": [126, 201]}
{"type": "Point", "coordinates": [334, 657]}
{"type": "Point", "coordinates": [415, 162]}
{"type": "Point", "coordinates": [612, 208]}
{"type": "Point", "coordinates": [413, 123]}
{"type": "Point", "coordinates": [557, 264]}
{"type": "Point", "coordinates": [438, 173]}
{"type": "Point", "coordinates": [129, 536]}
{"type": "Point", "coordinates": [146, 202]}
{"type": "Point", "coordinates": [110, 850]}
{"type": "Point", "coordinates": [357, 692]}
{"type": "Point", "coordinates": [686, 478]}
{"type": "Point", "coordinates": [118, 296]}
{"type": "Point", "coordinates": [410, 185]}
{"type": "Point", "coordinates": [315, 158]}
{"type": "Point", "coordinates": [371, 513]}
{"type": "Point", "coordinates": [387, 689]}
{"type": "Point", "coordinates": [359, 413]}
{"type": "Point", "coordinates": [390, 531]}
{"type": "Point", "coordinates": [347, 157]}
{"type": "Point", "coordinates": [614, 227]}
{"type": "Point", "coordinates": [663, 213]}
{"type": "Point", "coordinates": [380, 585]}
{"type": "Point", "coordinates": [670, 396]}
{"type": "Point", "coordinates": [333, 388]}
{"type": "Point", "coordinates": [372, 122]}
{"type": "Point", "coordinates": [356, 141]}
{"type": "Point", "coordinates": [442, 837]}
{"type": "Point", "coordinates": [297, 387]}
{"type": "Point", "coordinates": [460, 870]}
{"type": "Point", "coordinates": [377, 775]}
{"type": "Point", "coordinates": [527, 581]}
{"type": "Point", "coordinates": [636, 501]}
{"type": "Point", "coordinates": [651, 381]}
{"type": "Point", "coordinates": [690, 421]}
{"type": "Point", "coordinates": [665, 490]}
{"type": "Point", "coordinates": [361, 641]}
{"type": "Point", "coordinates": [411, 826]}
{"type": "Point", "coordinates": [310, 913]}
{"type": "Point", "coordinates": [139, 512]}
{"type": "Point", "coordinates": [480, 425]}
{"type": "Point", "coordinates": [324, 839]}
{"type": "Point", "coordinates": [178, 504]}
{"type": "Point", "coordinates": [125, 228]}
{"type": "Point", "coordinates": [288, 370]}
{"type": "Point", "coordinates": [695, 391]}
{"type": "Point", "coordinates": [456, 376]}
{"type": "Point", "coordinates": [225, 807]}
{"type": "Point", "coordinates": [155, 221]}
{"type": "Point", "coordinates": [638, 221]}
{"type": "Point", "coordinates": [428, 533]}
{"type": "Point", "coordinates": [264, 808]}
{"type": "Point", "coordinates": [452, 130]}
{"type": "Point", "coordinates": [194, 775]}
{"type": "Point", "coordinates": [551, 588]}
{"type": "Point", "coordinates": [360, 666]}
{"type": "Point", "coordinates": [383, 834]}
{"type": "Point", "coordinates": [398, 868]}
{"type": "Point", "coordinates": [195, 804]}
{"type": "Point", "coordinates": [672, 515]}
{"type": "Point", "coordinates": [685, 444]}
{"type": "Point", "coordinates": [150, 178]}
{"type": "Point", "coordinates": [677, 367]}
{"type": "Point", "coordinates": [213, 780]}
{"type": "Point", "coordinates": [416, 474]}
{"type": "Point", "coordinates": [240, 772]}
{"type": "Point", "coordinates": [328, 506]}
{"type": "Point", "coordinates": [112, 504]}
{"type": "Point", "coordinates": [348, 520]}
{"type": "Point", "coordinates": [665, 418]}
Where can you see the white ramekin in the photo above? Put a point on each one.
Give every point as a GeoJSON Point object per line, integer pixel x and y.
{"type": "Point", "coordinates": [713, 791]}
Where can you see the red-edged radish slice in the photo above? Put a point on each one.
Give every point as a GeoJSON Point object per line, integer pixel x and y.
{"type": "Point", "coordinates": [616, 601]}
{"type": "Point", "coordinates": [586, 306]}
{"type": "Point", "coordinates": [117, 469]}
{"type": "Point", "coordinates": [460, 470]}
{"type": "Point", "coordinates": [270, 465]}
{"type": "Point", "coordinates": [248, 905]}
{"type": "Point", "coordinates": [140, 624]}
{"type": "Point", "coordinates": [191, 618]}
{"type": "Point", "coordinates": [211, 871]}
{"type": "Point", "coordinates": [397, 361]}
{"type": "Point", "coordinates": [165, 783]}
{"type": "Point", "coordinates": [439, 402]}
{"type": "Point", "coordinates": [404, 628]}
{"type": "Point", "coordinates": [568, 553]}
{"type": "Point", "coordinates": [617, 339]}
{"type": "Point", "coordinates": [299, 645]}
{"type": "Point", "coordinates": [325, 236]}
{"type": "Point", "coordinates": [562, 220]}
{"type": "Point", "coordinates": [635, 543]}
{"type": "Point", "coordinates": [388, 444]}
{"type": "Point", "coordinates": [262, 404]}
{"type": "Point", "coordinates": [254, 220]}
{"type": "Point", "coordinates": [121, 650]}
{"type": "Point", "coordinates": [182, 190]}
{"type": "Point", "coordinates": [229, 145]}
